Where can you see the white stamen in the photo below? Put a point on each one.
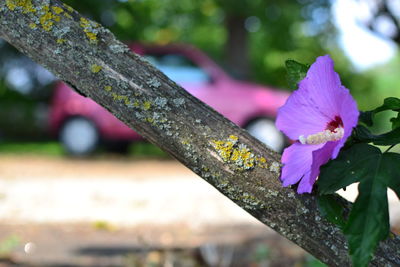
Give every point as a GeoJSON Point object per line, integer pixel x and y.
{"type": "Point", "coordinates": [322, 137]}
{"type": "Point", "coordinates": [302, 139]}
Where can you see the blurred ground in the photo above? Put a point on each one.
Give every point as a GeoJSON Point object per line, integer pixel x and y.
{"type": "Point", "coordinates": [115, 191]}
{"type": "Point", "coordinates": [124, 212]}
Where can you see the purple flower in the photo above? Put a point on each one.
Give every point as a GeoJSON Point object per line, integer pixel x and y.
{"type": "Point", "coordinates": [320, 115]}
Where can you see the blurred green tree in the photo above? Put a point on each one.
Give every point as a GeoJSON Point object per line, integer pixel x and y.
{"type": "Point", "coordinates": [251, 38]}
{"type": "Point", "coordinates": [383, 19]}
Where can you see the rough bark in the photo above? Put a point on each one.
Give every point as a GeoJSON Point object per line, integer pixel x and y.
{"type": "Point", "coordinates": [91, 60]}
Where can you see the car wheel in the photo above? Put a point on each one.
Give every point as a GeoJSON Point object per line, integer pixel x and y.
{"type": "Point", "coordinates": [119, 147]}
{"type": "Point", "coordinates": [79, 136]}
{"type": "Point", "coordinates": [265, 130]}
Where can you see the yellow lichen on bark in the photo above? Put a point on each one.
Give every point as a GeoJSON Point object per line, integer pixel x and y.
{"type": "Point", "coordinates": [32, 26]}
{"type": "Point", "coordinates": [95, 68]}
{"type": "Point", "coordinates": [26, 5]}
{"type": "Point", "coordinates": [57, 10]}
{"type": "Point", "coordinates": [90, 29]}
{"type": "Point", "coordinates": [48, 18]}
{"type": "Point", "coordinates": [136, 104]}
{"type": "Point", "coordinates": [146, 105]}
{"type": "Point", "coordinates": [69, 8]}
{"type": "Point", "coordinates": [231, 151]}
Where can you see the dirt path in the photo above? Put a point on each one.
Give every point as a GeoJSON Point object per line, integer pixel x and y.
{"type": "Point", "coordinates": [96, 212]}
{"type": "Point", "coordinates": [123, 193]}
{"type": "Point", "coordinates": [55, 167]}
{"type": "Point", "coordinates": [119, 191]}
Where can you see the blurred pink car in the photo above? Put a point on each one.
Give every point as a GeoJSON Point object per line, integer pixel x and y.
{"type": "Point", "coordinates": [81, 124]}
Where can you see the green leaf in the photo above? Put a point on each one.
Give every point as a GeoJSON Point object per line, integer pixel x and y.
{"type": "Point", "coordinates": [368, 221]}
{"type": "Point", "coordinates": [366, 117]}
{"type": "Point", "coordinates": [331, 209]}
{"type": "Point", "coordinates": [295, 72]}
{"type": "Point", "coordinates": [387, 139]}
{"type": "Point", "coordinates": [390, 103]}
{"type": "Point", "coordinates": [362, 134]}
{"type": "Point", "coordinates": [395, 121]}
{"type": "Point", "coordinates": [349, 167]}
{"type": "Point", "coordinates": [390, 167]}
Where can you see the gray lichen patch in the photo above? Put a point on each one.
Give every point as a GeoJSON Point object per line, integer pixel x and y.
{"type": "Point", "coordinates": [251, 202]}
{"type": "Point", "coordinates": [275, 167]}
{"type": "Point", "coordinates": [151, 111]}
{"type": "Point", "coordinates": [302, 210]}
{"type": "Point", "coordinates": [153, 82]}
{"type": "Point", "coordinates": [178, 102]}
{"type": "Point", "coordinates": [60, 33]}
{"type": "Point", "coordinates": [191, 153]}
{"type": "Point", "coordinates": [119, 48]}
{"type": "Point", "coordinates": [272, 193]}
{"type": "Point", "coordinates": [161, 102]}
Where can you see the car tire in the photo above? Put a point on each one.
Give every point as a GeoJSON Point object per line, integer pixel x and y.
{"type": "Point", "coordinates": [79, 136]}
{"type": "Point", "coordinates": [119, 147]}
{"type": "Point", "coordinates": [264, 129]}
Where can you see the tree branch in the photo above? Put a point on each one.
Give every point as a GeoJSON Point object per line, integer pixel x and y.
{"type": "Point", "coordinates": [88, 57]}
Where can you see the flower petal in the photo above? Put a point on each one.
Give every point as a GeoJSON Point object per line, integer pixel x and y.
{"type": "Point", "coordinates": [319, 158]}
{"type": "Point", "coordinates": [349, 115]}
{"type": "Point", "coordinates": [323, 86]}
{"type": "Point", "coordinates": [297, 160]}
{"type": "Point", "coordinates": [316, 103]}
{"type": "Point", "coordinates": [299, 116]}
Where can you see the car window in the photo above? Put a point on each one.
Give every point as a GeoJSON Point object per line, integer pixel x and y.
{"type": "Point", "coordinates": [178, 68]}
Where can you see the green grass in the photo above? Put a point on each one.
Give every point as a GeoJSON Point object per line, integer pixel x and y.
{"type": "Point", "coordinates": [54, 149]}
{"type": "Point", "coordinates": [8, 245]}
{"type": "Point", "coordinates": [37, 148]}
{"type": "Point", "coordinates": [313, 262]}
{"type": "Point", "coordinates": [145, 149]}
